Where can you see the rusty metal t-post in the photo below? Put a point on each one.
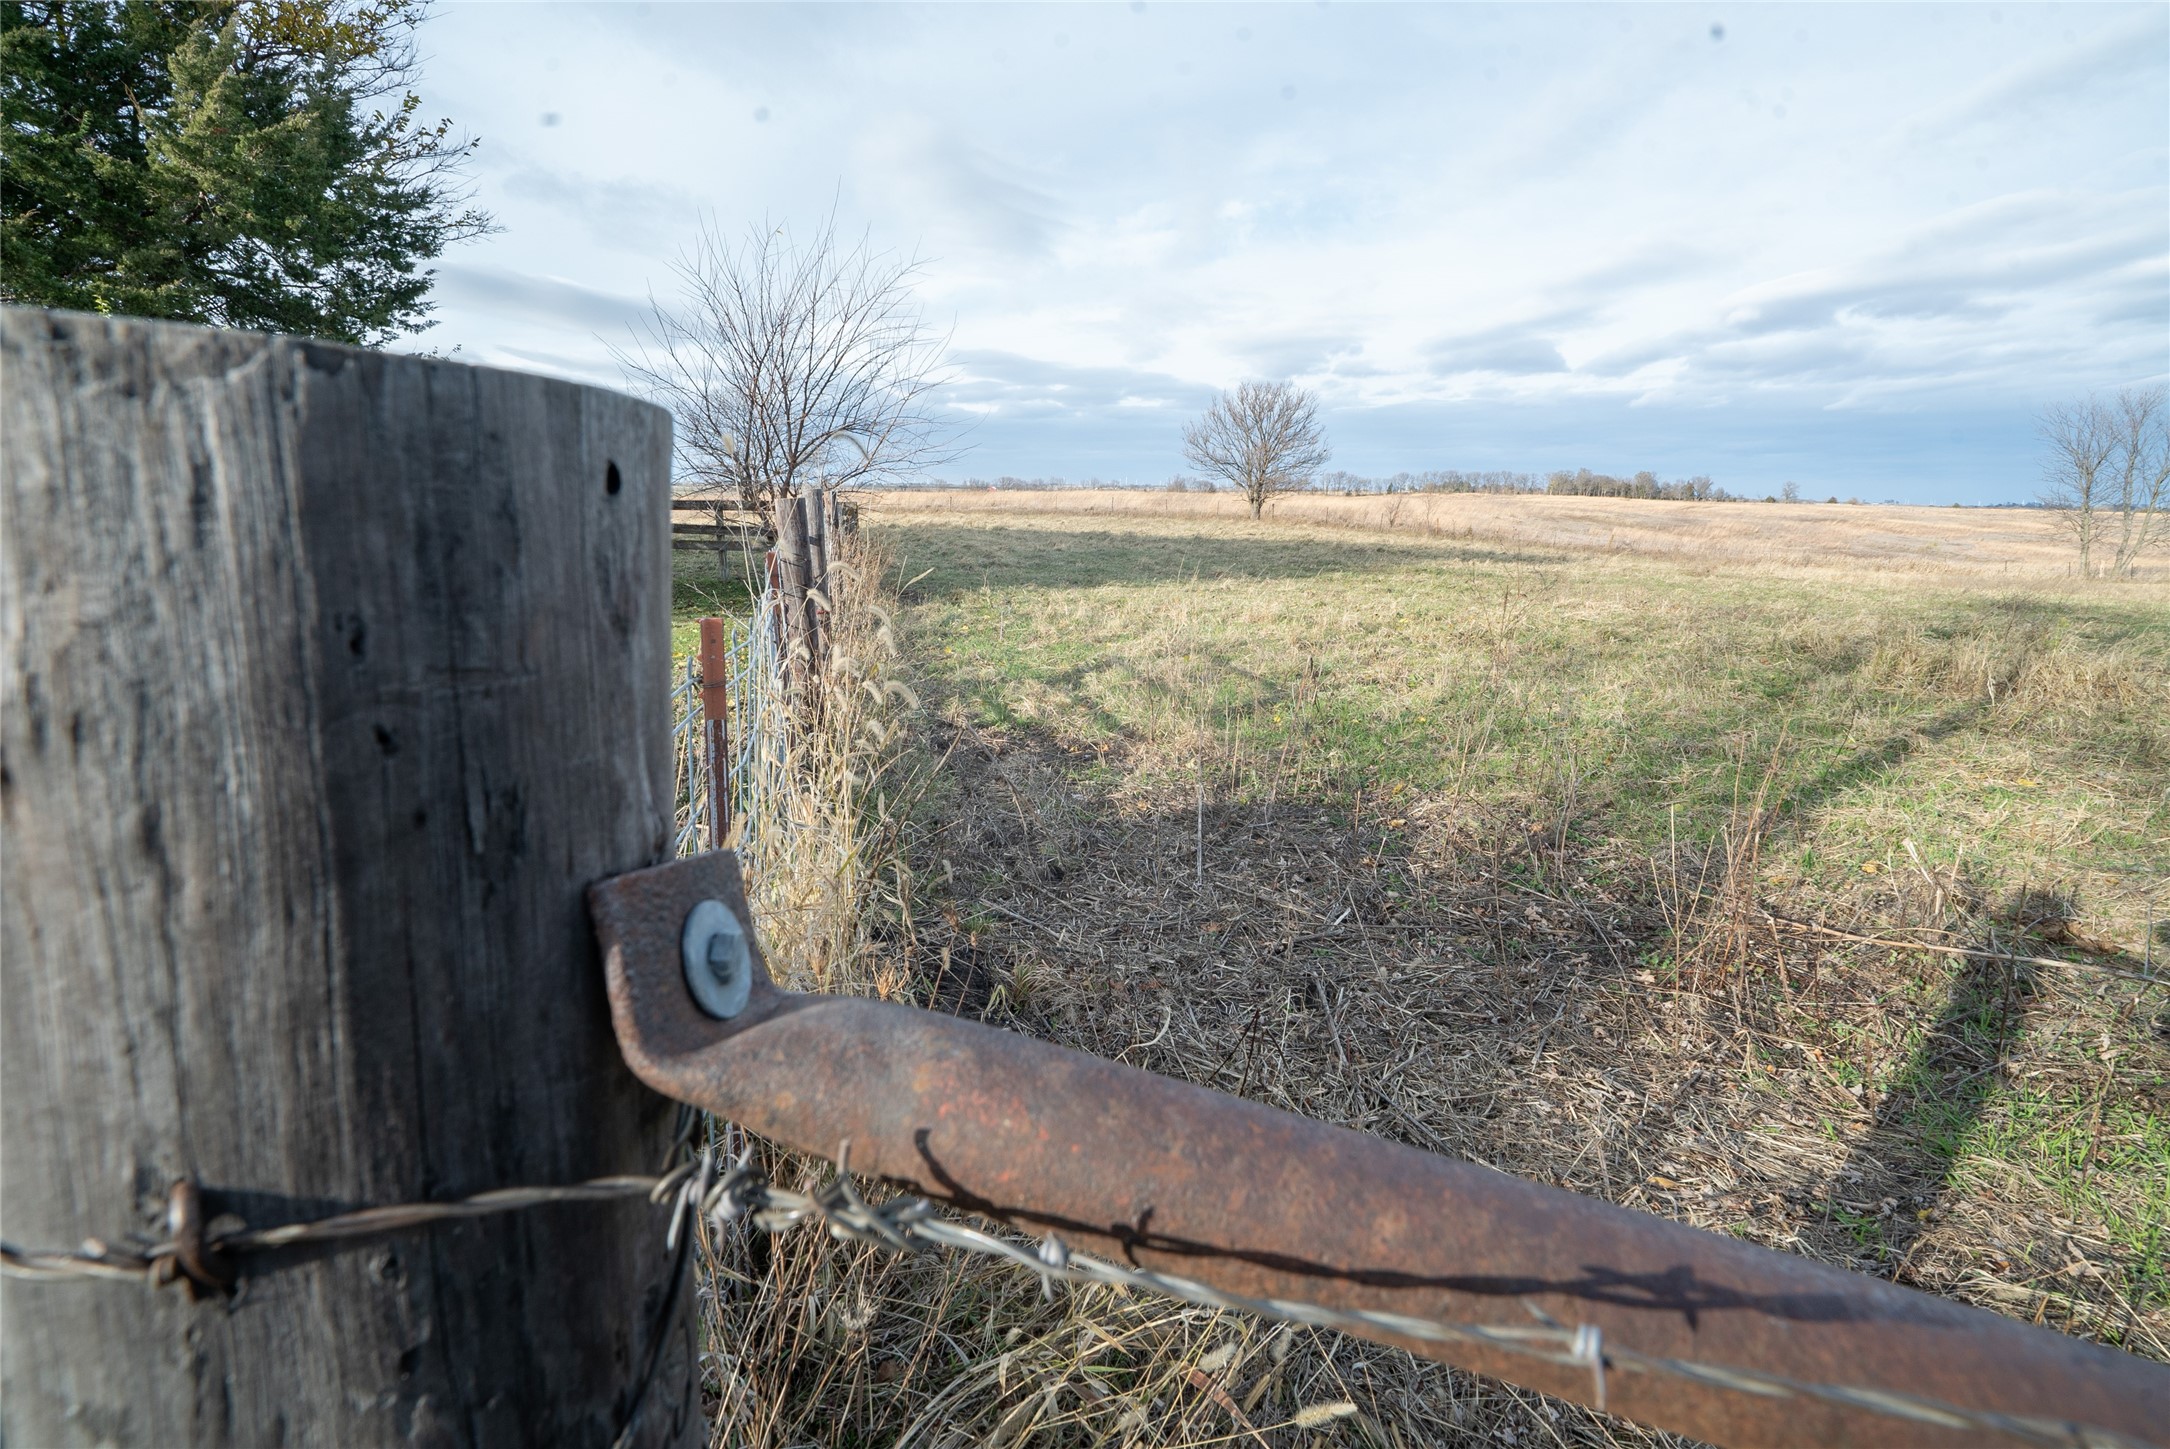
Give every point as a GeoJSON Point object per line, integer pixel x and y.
{"type": "Point", "coordinates": [716, 729]}
{"type": "Point", "coordinates": [1267, 1204]}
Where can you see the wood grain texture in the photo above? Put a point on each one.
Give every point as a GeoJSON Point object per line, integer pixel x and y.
{"type": "Point", "coordinates": [334, 677]}
{"type": "Point", "coordinates": [817, 539]}
{"type": "Point", "coordinates": [801, 637]}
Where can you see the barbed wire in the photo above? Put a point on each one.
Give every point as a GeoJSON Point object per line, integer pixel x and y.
{"type": "Point", "coordinates": [171, 1260]}
{"type": "Point", "coordinates": [913, 1225]}
{"type": "Point", "coordinates": [735, 1191]}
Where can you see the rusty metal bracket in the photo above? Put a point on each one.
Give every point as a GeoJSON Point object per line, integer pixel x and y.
{"type": "Point", "coordinates": [1267, 1204]}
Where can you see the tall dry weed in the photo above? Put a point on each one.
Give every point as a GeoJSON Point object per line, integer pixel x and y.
{"type": "Point", "coordinates": [819, 839]}
{"type": "Point", "coordinates": [2030, 661]}
{"type": "Point", "coordinates": [1709, 896]}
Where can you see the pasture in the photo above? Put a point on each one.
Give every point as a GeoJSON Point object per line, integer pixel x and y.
{"type": "Point", "coordinates": [1603, 866]}
{"type": "Point", "coordinates": [2016, 543]}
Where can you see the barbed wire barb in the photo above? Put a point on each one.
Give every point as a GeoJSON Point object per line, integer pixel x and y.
{"type": "Point", "coordinates": [741, 1192]}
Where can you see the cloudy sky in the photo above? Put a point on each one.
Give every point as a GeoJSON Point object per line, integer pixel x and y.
{"type": "Point", "coordinates": [1856, 246]}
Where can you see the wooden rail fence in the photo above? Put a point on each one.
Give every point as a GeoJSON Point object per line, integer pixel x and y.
{"type": "Point", "coordinates": [727, 525]}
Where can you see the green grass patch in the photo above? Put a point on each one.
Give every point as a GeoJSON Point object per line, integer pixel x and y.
{"type": "Point", "coordinates": [700, 586]}
{"type": "Point", "coordinates": [2003, 731]}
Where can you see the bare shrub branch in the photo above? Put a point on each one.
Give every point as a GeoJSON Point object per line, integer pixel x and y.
{"type": "Point", "coordinates": [1264, 437]}
{"type": "Point", "coordinates": [2141, 490]}
{"type": "Point", "coordinates": [2108, 476]}
{"type": "Point", "coordinates": [788, 365]}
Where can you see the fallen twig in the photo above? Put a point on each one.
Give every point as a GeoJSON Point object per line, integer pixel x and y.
{"type": "Point", "coordinates": [1902, 945]}
{"type": "Point", "coordinates": [1002, 910]}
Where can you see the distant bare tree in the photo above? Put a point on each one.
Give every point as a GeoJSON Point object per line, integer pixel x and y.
{"type": "Point", "coordinates": [2081, 440]}
{"type": "Point", "coordinates": [2108, 476]}
{"type": "Point", "coordinates": [788, 365]}
{"type": "Point", "coordinates": [1264, 437]}
{"type": "Point", "coordinates": [2140, 484]}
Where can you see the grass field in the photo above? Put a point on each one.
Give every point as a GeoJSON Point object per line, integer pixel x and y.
{"type": "Point", "coordinates": [2016, 735]}
{"type": "Point", "coordinates": [1521, 851]}
{"type": "Point", "coordinates": [2012, 542]}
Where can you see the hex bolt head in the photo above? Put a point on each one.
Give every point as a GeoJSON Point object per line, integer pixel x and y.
{"type": "Point", "coordinates": [719, 960]}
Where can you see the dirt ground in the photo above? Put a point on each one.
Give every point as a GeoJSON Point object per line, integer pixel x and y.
{"type": "Point", "coordinates": [1468, 984]}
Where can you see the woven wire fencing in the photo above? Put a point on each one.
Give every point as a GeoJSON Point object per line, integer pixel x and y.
{"type": "Point", "coordinates": [748, 781]}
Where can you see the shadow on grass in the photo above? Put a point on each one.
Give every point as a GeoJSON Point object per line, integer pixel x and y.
{"type": "Point", "coordinates": [1930, 1111]}
{"type": "Point", "coordinates": [962, 557]}
{"type": "Point", "coordinates": [1864, 765]}
{"type": "Point", "coordinates": [2102, 621]}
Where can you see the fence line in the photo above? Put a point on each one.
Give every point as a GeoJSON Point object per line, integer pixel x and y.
{"type": "Point", "coordinates": [758, 744]}
{"type": "Point", "coordinates": [770, 662]}
{"type": "Point", "coordinates": [913, 1225]}
{"type": "Point", "coordinates": [759, 703]}
{"type": "Point", "coordinates": [720, 1188]}
{"type": "Point", "coordinates": [764, 689]}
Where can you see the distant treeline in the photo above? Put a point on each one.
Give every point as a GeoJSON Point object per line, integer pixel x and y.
{"type": "Point", "coordinates": [1580, 483]}
{"type": "Point", "coordinates": [1437, 480]}
{"type": "Point", "coordinates": [1006, 483]}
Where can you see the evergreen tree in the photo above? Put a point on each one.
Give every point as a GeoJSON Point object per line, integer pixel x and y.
{"type": "Point", "coordinates": [224, 161]}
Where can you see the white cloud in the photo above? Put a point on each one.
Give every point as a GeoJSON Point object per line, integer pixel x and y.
{"type": "Point", "coordinates": [2042, 82]}
{"type": "Point", "coordinates": [514, 296]}
{"type": "Point", "coordinates": [1834, 210]}
{"type": "Point", "coordinates": [926, 177]}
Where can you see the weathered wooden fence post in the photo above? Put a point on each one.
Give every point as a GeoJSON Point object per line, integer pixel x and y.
{"type": "Point", "coordinates": [819, 543]}
{"type": "Point", "coordinates": [773, 578]}
{"type": "Point", "coordinates": [801, 640]}
{"type": "Point", "coordinates": [333, 678]}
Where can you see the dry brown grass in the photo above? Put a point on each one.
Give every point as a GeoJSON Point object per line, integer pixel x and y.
{"type": "Point", "coordinates": [1427, 991]}
{"type": "Point", "coordinates": [821, 843]}
{"type": "Point", "coordinates": [1483, 972]}
{"type": "Point", "coordinates": [2002, 542]}
{"type": "Point", "coordinates": [1466, 979]}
